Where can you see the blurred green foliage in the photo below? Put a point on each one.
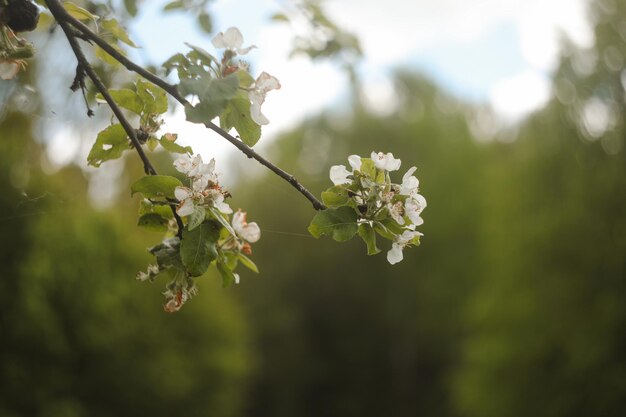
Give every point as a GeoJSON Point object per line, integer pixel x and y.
{"type": "Point", "coordinates": [514, 305]}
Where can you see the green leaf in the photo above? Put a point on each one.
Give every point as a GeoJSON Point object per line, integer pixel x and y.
{"type": "Point", "coordinates": [198, 248]}
{"type": "Point", "coordinates": [367, 233]}
{"type": "Point", "coordinates": [114, 28]}
{"type": "Point", "coordinates": [78, 12]}
{"type": "Point", "coordinates": [237, 115]}
{"type": "Point", "coordinates": [168, 143]}
{"type": "Point", "coordinates": [279, 17]}
{"type": "Point", "coordinates": [339, 223]}
{"type": "Point", "coordinates": [154, 98]}
{"type": "Point", "coordinates": [110, 144]}
{"type": "Point", "coordinates": [201, 55]}
{"type": "Point", "coordinates": [368, 168]}
{"type": "Point", "coordinates": [213, 95]}
{"type": "Point", "coordinates": [105, 57]}
{"type": "Point", "coordinates": [131, 7]}
{"type": "Point", "coordinates": [153, 222]}
{"type": "Point", "coordinates": [196, 218]}
{"type": "Point", "coordinates": [247, 262]}
{"type": "Point", "coordinates": [217, 215]}
{"type": "Point", "coordinates": [156, 186]}
{"type": "Point", "coordinates": [204, 20]}
{"type": "Point", "coordinates": [228, 277]}
{"type": "Point", "coordinates": [145, 207]}
{"type": "Point", "coordinates": [335, 196]}
{"type": "Point", "coordinates": [124, 98]}
{"type": "Point", "coordinates": [173, 5]}
{"type": "Point", "coordinates": [152, 143]}
{"type": "Point", "coordinates": [167, 253]}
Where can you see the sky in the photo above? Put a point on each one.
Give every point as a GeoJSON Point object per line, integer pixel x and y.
{"type": "Point", "coordinates": [499, 53]}
{"type": "Point", "coordinates": [495, 52]}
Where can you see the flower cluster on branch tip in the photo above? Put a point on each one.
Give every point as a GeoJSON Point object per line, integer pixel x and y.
{"type": "Point", "coordinates": [199, 227]}
{"type": "Point", "coordinates": [211, 236]}
{"type": "Point", "coordinates": [366, 202]}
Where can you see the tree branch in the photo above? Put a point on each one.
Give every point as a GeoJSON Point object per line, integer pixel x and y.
{"type": "Point", "coordinates": [61, 15]}
{"type": "Point", "coordinates": [83, 65]}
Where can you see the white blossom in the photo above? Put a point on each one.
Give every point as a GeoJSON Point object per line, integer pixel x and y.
{"type": "Point", "coordinates": [8, 69]}
{"type": "Point", "coordinates": [414, 207]}
{"type": "Point", "coordinates": [385, 161]}
{"type": "Point", "coordinates": [187, 198]}
{"type": "Point", "coordinates": [202, 174]}
{"type": "Point", "coordinates": [410, 183]}
{"type": "Point", "coordinates": [397, 212]}
{"type": "Point", "coordinates": [216, 197]}
{"type": "Point", "coordinates": [339, 174]}
{"type": "Point", "coordinates": [263, 84]}
{"type": "Point", "coordinates": [232, 40]}
{"type": "Point", "coordinates": [355, 162]}
{"type": "Point", "coordinates": [394, 255]}
{"type": "Point", "coordinates": [248, 231]}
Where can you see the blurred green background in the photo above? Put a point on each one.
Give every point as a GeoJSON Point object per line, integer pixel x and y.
{"type": "Point", "coordinates": [514, 305]}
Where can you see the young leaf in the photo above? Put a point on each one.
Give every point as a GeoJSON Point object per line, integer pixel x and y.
{"type": "Point", "coordinates": [237, 115]}
{"type": "Point", "coordinates": [168, 143]}
{"type": "Point", "coordinates": [198, 248]}
{"type": "Point", "coordinates": [204, 20]}
{"type": "Point", "coordinates": [247, 262]}
{"type": "Point", "coordinates": [196, 218]}
{"type": "Point", "coordinates": [156, 186]}
{"type": "Point", "coordinates": [167, 253]}
{"type": "Point", "coordinates": [114, 28]}
{"type": "Point", "coordinates": [228, 277]}
{"type": "Point", "coordinates": [153, 222]}
{"type": "Point", "coordinates": [335, 196]}
{"type": "Point", "coordinates": [125, 98]}
{"type": "Point", "coordinates": [78, 12]}
{"type": "Point", "coordinates": [213, 95]}
{"type": "Point", "coordinates": [110, 144]}
{"type": "Point", "coordinates": [173, 5]}
{"type": "Point", "coordinates": [154, 99]}
{"type": "Point", "coordinates": [131, 7]}
{"type": "Point", "coordinates": [367, 233]}
{"type": "Point", "coordinates": [339, 223]}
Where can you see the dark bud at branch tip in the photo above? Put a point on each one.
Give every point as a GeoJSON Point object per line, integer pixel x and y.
{"type": "Point", "coordinates": [20, 15]}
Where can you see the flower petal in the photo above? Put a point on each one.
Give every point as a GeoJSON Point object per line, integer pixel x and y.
{"type": "Point", "coordinates": [395, 254]}
{"type": "Point", "coordinates": [8, 69]}
{"type": "Point", "coordinates": [182, 193]}
{"type": "Point", "coordinates": [339, 174]}
{"type": "Point", "coordinates": [230, 39]}
{"type": "Point", "coordinates": [185, 208]}
{"type": "Point", "coordinates": [251, 232]}
{"type": "Point", "coordinates": [355, 162]}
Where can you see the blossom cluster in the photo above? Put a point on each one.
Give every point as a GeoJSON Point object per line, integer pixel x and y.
{"type": "Point", "coordinates": [393, 210]}
{"type": "Point", "coordinates": [13, 52]}
{"type": "Point", "coordinates": [210, 234]}
{"type": "Point", "coordinates": [232, 41]}
{"type": "Point", "coordinates": [204, 188]}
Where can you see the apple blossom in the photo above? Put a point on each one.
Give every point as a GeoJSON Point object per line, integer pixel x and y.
{"type": "Point", "coordinates": [394, 255]}
{"type": "Point", "coordinates": [339, 174]}
{"type": "Point", "coordinates": [263, 84]}
{"type": "Point", "coordinates": [188, 199]}
{"type": "Point", "coordinates": [248, 231]}
{"type": "Point", "coordinates": [385, 161]}
{"type": "Point", "coordinates": [8, 69]}
{"type": "Point", "coordinates": [231, 40]}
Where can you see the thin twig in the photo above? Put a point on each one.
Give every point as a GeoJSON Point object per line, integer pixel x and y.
{"type": "Point", "coordinates": [172, 91]}
{"type": "Point", "coordinates": [83, 65]}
